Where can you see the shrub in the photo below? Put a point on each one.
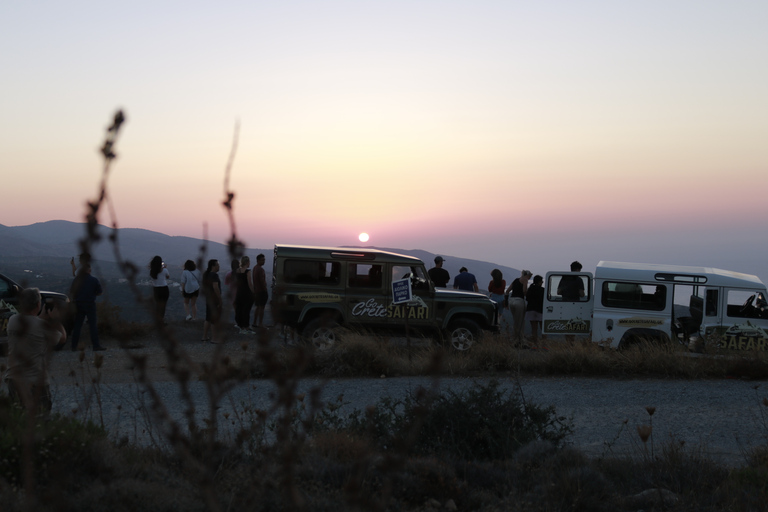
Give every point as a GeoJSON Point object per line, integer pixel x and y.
{"type": "Point", "coordinates": [56, 446]}
{"type": "Point", "coordinates": [482, 422]}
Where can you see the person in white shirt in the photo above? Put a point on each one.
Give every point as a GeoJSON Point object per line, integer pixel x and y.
{"type": "Point", "coordinates": [190, 289]}
{"type": "Point", "coordinates": [160, 276]}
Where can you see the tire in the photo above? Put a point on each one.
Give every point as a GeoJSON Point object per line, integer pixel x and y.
{"type": "Point", "coordinates": [462, 334]}
{"type": "Point", "coordinates": [323, 334]}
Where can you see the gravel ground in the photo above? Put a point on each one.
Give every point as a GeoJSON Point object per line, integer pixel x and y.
{"type": "Point", "coordinates": [722, 418]}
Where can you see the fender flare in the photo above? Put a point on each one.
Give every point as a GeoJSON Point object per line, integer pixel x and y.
{"type": "Point", "coordinates": [313, 310]}
{"type": "Point", "coordinates": [636, 333]}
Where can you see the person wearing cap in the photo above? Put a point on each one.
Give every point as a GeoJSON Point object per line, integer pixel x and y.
{"type": "Point", "coordinates": [516, 292]}
{"type": "Point", "coordinates": [465, 281]}
{"type": "Point", "coordinates": [438, 274]}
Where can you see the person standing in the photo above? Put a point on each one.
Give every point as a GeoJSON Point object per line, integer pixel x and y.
{"type": "Point", "coordinates": [571, 288]}
{"type": "Point", "coordinates": [496, 288]}
{"type": "Point", "coordinates": [438, 274]}
{"type": "Point", "coordinates": [190, 289]}
{"type": "Point", "coordinates": [213, 302]}
{"type": "Point", "coordinates": [244, 295]}
{"type": "Point", "coordinates": [516, 293]}
{"type": "Point", "coordinates": [83, 292]}
{"type": "Point", "coordinates": [160, 277]}
{"type": "Point", "coordinates": [535, 309]}
{"type": "Point", "coordinates": [260, 293]}
{"type": "Point", "coordinates": [465, 281]}
{"type": "Point", "coordinates": [30, 340]}
{"type": "Point", "coordinates": [83, 258]}
{"type": "Point", "coordinates": [230, 279]}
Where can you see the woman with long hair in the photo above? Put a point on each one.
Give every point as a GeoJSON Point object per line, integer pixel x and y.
{"type": "Point", "coordinates": [190, 289]}
{"type": "Point", "coordinates": [160, 276]}
{"type": "Point", "coordinates": [516, 292]}
{"type": "Point", "coordinates": [496, 289]}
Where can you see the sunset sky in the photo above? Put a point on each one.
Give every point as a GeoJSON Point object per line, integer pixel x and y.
{"type": "Point", "coordinates": [523, 133]}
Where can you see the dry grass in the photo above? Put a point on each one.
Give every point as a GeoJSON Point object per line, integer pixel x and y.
{"type": "Point", "coordinates": [371, 356]}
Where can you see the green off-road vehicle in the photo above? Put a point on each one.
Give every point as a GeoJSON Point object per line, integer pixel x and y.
{"type": "Point", "coordinates": [321, 290]}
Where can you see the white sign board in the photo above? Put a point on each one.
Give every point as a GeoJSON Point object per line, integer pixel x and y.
{"type": "Point", "coordinates": [401, 291]}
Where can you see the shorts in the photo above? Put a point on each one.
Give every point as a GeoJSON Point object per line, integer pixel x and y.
{"type": "Point", "coordinates": [499, 300]}
{"type": "Point", "coordinates": [261, 298]}
{"type": "Point", "coordinates": [533, 316]}
{"type": "Point", "coordinates": [190, 295]}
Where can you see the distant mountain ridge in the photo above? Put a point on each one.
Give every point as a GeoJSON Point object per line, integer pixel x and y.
{"type": "Point", "coordinates": [59, 239]}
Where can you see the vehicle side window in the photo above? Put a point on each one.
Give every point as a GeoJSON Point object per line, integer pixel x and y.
{"type": "Point", "coordinates": [5, 289]}
{"type": "Point", "coordinates": [624, 295]}
{"type": "Point", "coordinates": [311, 272]}
{"type": "Point", "coordinates": [746, 304]}
{"type": "Point", "coordinates": [364, 276]}
{"type": "Point", "coordinates": [568, 288]}
{"type": "Point", "coordinates": [416, 274]}
{"type": "Point", "coordinates": [711, 302]}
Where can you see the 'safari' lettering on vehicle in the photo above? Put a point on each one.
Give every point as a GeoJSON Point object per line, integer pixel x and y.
{"type": "Point", "coordinates": [743, 343]}
{"type": "Point", "coordinates": [417, 313]}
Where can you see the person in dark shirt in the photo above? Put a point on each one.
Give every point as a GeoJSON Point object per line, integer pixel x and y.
{"type": "Point", "coordinates": [83, 292]}
{"type": "Point", "coordinates": [465, 281]}
{"type": "Point", "coordinates": [438, 274]}
{"type": "Point", "coordinates": [213, 303]}
{"type": "Point", "coordinates": [535, 308]}
{"type": "Point", "coordinates": [571, 288]}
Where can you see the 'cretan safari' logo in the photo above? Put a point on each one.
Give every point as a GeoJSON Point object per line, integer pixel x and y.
{"type": "Point", "coordinates": [319, 297]}
{"type": "Point", "coordinates": [373, 309]}
{"type": "Point", "coordinates": [572, 326]}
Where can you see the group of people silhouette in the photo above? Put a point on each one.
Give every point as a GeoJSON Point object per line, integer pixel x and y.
{"type": "Point", "coordinates": [523, 299]}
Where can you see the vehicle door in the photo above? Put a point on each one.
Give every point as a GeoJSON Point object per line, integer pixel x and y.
{"type": "Point", "coordinates": [629, 311]}
{"type": "Point", "coordinates": [420, 311]}
{"type": "Point", "coordinates": [744, 324]}
{"type": "Point", "coordinates": [8, 302]}
{"type": "Point", "coordinates": [367, 297]}
{"type": "Point", "coordinates": [568, 300]}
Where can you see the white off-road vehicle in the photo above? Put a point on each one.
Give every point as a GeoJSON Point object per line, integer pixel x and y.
{"type": "Point", "coordinates": [627, 303]}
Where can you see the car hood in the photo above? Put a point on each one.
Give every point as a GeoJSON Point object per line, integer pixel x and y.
{"type": "Point", "coordinates": [53, 296]}
{"type": "Point", "coordinates": [442, 293]}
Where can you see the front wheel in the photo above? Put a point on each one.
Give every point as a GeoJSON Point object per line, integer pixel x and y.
{"type": "Point", "coordinates": [323, 334]}
{"type": "Point", "coordinates": [463, 333]}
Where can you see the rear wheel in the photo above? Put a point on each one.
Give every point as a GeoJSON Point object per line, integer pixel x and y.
{"type": "Point", "coordinates": [644, 341]}
{"type": "Point", "coordinates": [323, 334]}
{"type": "Point", "coordinates": [462, 334]}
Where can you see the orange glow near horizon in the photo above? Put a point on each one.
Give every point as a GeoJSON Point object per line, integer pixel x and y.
{"type": "Point", "coordinates": [499, 129]}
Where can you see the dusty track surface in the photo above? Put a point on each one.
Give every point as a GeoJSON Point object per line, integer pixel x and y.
{"type": "Point", "coordinates": [118, 364]}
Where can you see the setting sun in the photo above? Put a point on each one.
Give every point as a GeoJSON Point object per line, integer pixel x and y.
{"type": "Point", "coordinates": [363, 237]}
